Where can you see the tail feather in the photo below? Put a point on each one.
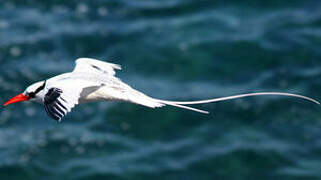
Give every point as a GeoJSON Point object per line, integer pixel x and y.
{"type": "Point", "coordinates": [181, 104]}
{"type": "Point", "coordinates": [185, 107]}
{"type": "Point", "coordinates": [142, 99]}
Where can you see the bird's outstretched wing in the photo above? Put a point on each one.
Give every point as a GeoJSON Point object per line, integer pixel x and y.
{"type": "Point", "coordinates": [85, 65]}
{"type": "Point", "coordinates": [55, 105]}
{"type": "Point", "coordinates": [61, 96]}
{"type": "Point", "coordinates": [58, 103]}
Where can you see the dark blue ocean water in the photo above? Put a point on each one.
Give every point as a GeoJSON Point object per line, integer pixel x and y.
{"type": "Point", "coordinates": [175, 50]}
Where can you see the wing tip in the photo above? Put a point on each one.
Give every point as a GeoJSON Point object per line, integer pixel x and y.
{"type": "Point", "coordinates": [97, 64]}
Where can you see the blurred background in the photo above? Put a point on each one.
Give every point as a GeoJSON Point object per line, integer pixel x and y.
{"type": "Point", "coordinates": [175, 50]}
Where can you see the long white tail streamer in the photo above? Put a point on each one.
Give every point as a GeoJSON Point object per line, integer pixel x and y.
{"type": "Point", "coordinates": [182, 103]}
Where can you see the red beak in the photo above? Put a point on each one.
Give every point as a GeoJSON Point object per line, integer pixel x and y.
{"type": "Point", "coordinates": [18, 98]}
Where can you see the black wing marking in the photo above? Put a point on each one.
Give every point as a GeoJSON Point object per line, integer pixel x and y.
{"type": "Point", "coordinates": [53, 105]}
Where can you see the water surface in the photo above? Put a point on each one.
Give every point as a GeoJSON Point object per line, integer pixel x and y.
{"type": "Point", "coordinates": [171, 49]}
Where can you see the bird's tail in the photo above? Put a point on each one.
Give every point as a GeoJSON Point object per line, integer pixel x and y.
{"type": "Point", "coordinates": [151, 102]}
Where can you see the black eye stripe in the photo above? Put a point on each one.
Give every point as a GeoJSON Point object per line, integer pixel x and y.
{"type": "Point", "coordinates": [40, 88]}
{"type": "Point", "coordinates": [33, 94]}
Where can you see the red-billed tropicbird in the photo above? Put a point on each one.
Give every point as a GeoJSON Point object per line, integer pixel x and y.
{"type": "Point", "coordinates": [94, 80]}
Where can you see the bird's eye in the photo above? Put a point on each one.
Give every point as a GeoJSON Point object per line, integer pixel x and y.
{"type": "Point", "coordinates": [31, 95]}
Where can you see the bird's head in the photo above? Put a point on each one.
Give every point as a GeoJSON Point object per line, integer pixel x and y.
{"type": "Point", "coordinates": [32, 93]}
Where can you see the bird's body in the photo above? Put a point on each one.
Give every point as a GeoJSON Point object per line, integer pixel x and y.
{"type": "Point", "coordinates": [97, 87]}
{"type": "Point", "coordinates": [93, 80]}
{"type": "Point", "coordinates": [98, 84]}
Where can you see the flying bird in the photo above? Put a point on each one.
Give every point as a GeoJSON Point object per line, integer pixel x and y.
{"type": "Point", "coordinates": [93, 80]}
